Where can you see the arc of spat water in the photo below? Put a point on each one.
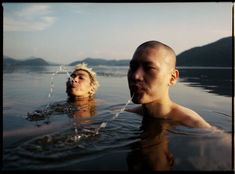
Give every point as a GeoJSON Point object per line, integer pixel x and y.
{"type": "Point", "coordinates": [104, 124]}
{"type": "Point", "coordinates": [60, 69]}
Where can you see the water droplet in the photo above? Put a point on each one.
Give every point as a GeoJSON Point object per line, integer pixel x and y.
{"type": "Point", "coordinates": [103, 125]}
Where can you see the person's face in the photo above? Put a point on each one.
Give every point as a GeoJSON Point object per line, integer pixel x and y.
{"type": "Point", "coordinates": [80, 84]}
{"type": "Point", "coordinates": [148, 75]}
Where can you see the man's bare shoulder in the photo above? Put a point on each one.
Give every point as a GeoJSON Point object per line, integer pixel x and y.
{"type": "Point", "coordinates": [188, 117]}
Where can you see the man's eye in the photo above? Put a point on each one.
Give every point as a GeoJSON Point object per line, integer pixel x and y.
{"type": "Point", "coordinates": [151, 67]}
{"type": "Point", "coordinates": [73, 75]}
{"type": "Point", "coordinates": [148, 68]}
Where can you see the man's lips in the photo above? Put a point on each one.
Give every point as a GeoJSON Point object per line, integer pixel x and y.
{"type": "Point", "coordinates": [75, 85]}
{"type": "Point", "coordinates": [137, 88]}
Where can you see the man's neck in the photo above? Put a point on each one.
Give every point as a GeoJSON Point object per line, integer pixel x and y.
{"type": "Point", "coordinates": [158, 108]}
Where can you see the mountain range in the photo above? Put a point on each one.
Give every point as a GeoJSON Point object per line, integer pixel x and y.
{"type": "Point", "coordinates": [33, 61]}
{"type": "Point", "coordinates": [218, 53]}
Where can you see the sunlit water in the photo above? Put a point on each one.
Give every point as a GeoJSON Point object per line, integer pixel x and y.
{"type": "Point", "coordinates": [110, 140]}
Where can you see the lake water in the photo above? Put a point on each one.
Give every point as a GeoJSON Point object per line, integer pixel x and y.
{"type": "Point", "coordinates": [48, 143]}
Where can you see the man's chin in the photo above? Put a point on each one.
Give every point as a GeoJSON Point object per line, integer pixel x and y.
{"type": "Point", "coordinates": [76, 94]}
{"type": "Point", "coordinates": [137, 99]}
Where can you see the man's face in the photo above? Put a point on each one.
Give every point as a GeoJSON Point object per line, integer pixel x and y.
{"type": "Point", "coordinates": [80, 84]}
{"type": "Point", "coordinates": [148, 75]}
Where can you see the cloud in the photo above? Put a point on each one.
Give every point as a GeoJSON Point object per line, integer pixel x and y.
{"type": "Point", "coordinates": [30, 18]}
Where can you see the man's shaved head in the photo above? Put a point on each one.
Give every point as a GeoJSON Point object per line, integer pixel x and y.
{"type": "Point", "coordinates": [168, 52]}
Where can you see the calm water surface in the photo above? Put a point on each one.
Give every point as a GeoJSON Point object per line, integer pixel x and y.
{"type": "Point", "coordinates": [127, 142]}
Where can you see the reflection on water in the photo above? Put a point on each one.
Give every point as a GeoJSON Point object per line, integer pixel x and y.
{"type": "Point", "coordinates": [24, 69]}
{"type": "Point", "coordinates": [80, 111]}
{"type": "Point", "coordinates": [152, 151]}
{"type": "Point", "coordinates": [62, 148]}
{"type": "Point", "coordinates": [210, 150]}
{"type": "Point", "coordinates": [64, 136]}
{"type": "Point", "coordinates": [165, 146]}
{"type": "Point", "coordinates": [214, 80]}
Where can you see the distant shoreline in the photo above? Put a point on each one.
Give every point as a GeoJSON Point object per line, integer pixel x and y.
{"type": "Point", "coordinates": [216, 54]}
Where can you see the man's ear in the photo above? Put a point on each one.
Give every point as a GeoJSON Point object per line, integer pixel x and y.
{"type": "Point", "coordinates": [92, 91]}
{"type": "Point", "coordinates": [174, 77]}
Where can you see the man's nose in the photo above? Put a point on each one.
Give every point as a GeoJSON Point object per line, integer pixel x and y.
{"type": "Point", "coordinates": [138, 74]}
{"type": "Point", "coordinates": [75, 79]}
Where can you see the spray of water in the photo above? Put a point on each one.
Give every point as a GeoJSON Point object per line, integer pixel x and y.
{"type": "Point", "coordinates": [45, 112]}
{"type": "Point", "coordinates": [104, 124]}
{"type": "Point", "coordinates": [61, 69]}
{"type": "Point", "coordinates": [77, 136]}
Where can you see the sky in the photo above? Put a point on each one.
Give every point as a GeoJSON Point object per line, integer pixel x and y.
{"type": "Point", "coordinates": [67, 32]}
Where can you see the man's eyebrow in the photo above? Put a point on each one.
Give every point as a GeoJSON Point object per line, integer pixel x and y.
{"type": "Point", "coordinates": [80, 73]}
{"type": "Point", "coordinates": [148, 63]}
{"type": "Point", "coordinates": [143, 62]}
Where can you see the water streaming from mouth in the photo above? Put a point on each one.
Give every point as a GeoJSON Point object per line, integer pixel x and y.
{"type": "Point", "coordinates": [78, 135]}
{"type": "Point", "coordinates": [104, 124]}
{"type": "Point", "coordinates": [45, 112]}
{"type": "Point", "coordinates": [61, 69]}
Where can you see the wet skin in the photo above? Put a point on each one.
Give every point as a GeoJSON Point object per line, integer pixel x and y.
{"type": "Point", "coordinates": [151, 73]}
{"type": "Point", "coordinates": [80, 84]}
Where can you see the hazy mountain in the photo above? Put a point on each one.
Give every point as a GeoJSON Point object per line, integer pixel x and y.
{"type": "Point", "coordinates": [34, 61]}
{"type": "Point", "coordinates": [99, 61]}
{"type": "Point", "coordinates": [218, 53]}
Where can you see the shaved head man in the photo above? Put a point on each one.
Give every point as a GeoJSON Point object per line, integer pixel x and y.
{"type": "Point", "coordinates": [152, 72]}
